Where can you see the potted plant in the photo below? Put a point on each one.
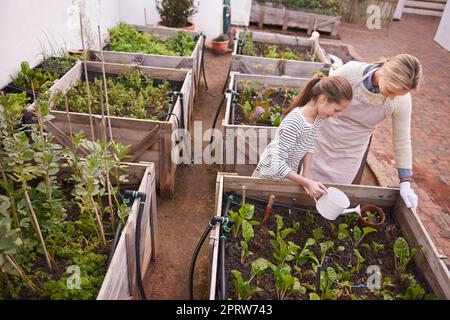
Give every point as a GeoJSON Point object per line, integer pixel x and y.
{"type": "Point", "coordinates": [176, 13]}
{"type": "Point", "coordinates": [220, 44]}
{"type": "Point", "coordinates": [371, 216]}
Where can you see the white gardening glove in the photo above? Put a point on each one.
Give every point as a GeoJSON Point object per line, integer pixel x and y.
{"type": "Point", "coordinates": [408, 195]}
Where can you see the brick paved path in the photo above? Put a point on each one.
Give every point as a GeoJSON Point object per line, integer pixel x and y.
{"type": "Point", "coordinates": [431, 117]}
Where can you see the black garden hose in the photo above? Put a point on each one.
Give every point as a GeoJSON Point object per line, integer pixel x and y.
{"type": "Point", "coordinates": [137, 238]}
{"type": "Point", "coordinates": [225, 229]}
{"type": "Point", "coordinates": [214, 220]}
{"type": "Point", "coordinates": [216, 116]}
{"type": "Point", "coordinates": [202, 64]}
{"type": "Point", "coordinates": [118, 231]}
{"type": "Point", "coordinates": [275, 204]}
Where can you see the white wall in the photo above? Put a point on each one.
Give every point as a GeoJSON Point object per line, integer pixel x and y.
{"type": "Point", "coordinates": [208, 18]}
{"type": "Point", "coordinates": [27, 25]}
{"type": "Point", "coordinates": [240, 12]}
{"type": "Point", "coordinates": [443, 33]}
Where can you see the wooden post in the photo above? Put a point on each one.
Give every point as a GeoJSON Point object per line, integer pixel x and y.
{"type": "Point", "coordinates": [285, 19]}
{"type": "Point", "coordinates": [261, 17]}
{"type": "Point", "coordinates": [166, 171]}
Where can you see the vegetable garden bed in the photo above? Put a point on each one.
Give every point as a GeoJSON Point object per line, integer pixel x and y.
{"type": "Point", "coordinates": [132, 48]}
{"type": "Point", "coordinates": [40, 78]}
{"type": "Point", "coordinates": [120, 279]}
{"type": "Point", "coordinates": [253, 112]}
{"type": "Point", "coordinates": [60, 211]}
{"type": "Point", "coordinates": [282, 258]}
{"type": "Point", "coordinates": [149, 140]}
{"type": "Point", "coordinates": [267, 14]}
{"type": "Point", "coordinates": [278, 55]}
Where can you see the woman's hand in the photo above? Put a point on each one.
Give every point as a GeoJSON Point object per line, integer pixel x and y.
{"type": "Point", "coordinates": [314, 188]}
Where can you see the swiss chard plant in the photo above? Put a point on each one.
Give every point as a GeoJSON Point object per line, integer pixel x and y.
{"type": "Point", "coordinates": [403, 253]}
{"type": "Point", "coordinates": [245, 213]}
{"type": "Point", "coordinates": [244, 290]}
{"type": "Point", "coordinates": [33, 80]}
{"type": "Point", "coordinates": [285, 283]}
{"type": "Point", "coordinates": [283, 251]}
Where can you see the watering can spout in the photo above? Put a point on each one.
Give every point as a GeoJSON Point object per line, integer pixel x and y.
{"type": "Point", "coordinates": [357, 209]}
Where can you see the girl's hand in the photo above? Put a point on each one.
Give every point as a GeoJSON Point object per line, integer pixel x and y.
{"type": "Point", "coordinates": [314, 188]}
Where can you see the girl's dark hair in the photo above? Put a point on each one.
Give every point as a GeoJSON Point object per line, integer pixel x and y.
{"type": "Point", "coordinates": [334, 88]}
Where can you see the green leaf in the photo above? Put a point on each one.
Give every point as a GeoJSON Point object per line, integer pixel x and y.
{"type": "Point", "coordinates": [357, 234]}
{"type": "Point", "coordinates": [247, 231]}
{"type": "Point", "coordinates": [259, 266]}
{"type": "Point", "coordinates": [342, 231]}
{"type": "Point", "coordinates": [246, 211]}
{"type": "Point", "coordinates": [401, 250]}
{"type": "Point", "coordinates": [318, 234]}
{"type": "Point", "coordinates": [314, 296]}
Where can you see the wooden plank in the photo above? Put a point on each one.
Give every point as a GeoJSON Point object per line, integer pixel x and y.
{"type": "Point", "coordinates": [275, 16]}
{"type": "Point", "coordinates": [154, 219]}
{"type": "Point", "coordinates": [167, 168]}
{"type": "Point", "coordinates": [139, 148]}
{"type": "Point", "coordinates": [428, 259]}
{"type": "Point", "coordinates": [161, 32]}
{"type": "Point", "coordinates": [214, 239]}
{"type": "Point", "coordinates": [362, 194]}
{"type": "Point", "coordinates": [131, 262]}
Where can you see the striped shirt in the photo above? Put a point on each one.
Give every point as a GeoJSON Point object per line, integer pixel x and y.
{"type": "Point", "coordinates": [293, 140]}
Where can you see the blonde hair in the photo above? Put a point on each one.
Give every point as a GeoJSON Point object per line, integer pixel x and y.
{"type": "Point", "coordinates": [334, 88]}
{"type": "Point", "coordinates": [402, 71]}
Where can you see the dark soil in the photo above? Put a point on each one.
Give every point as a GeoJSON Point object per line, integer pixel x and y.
{"type": "Point", "coordinates": [261, 247]}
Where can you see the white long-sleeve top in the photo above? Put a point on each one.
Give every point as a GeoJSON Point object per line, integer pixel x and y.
{"type": "Point", "coordinates": [294, 138]}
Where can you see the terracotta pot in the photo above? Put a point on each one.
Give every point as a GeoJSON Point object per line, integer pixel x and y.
{"type": "Point", "coordinates": [374, 209]}
{"type": "Point", "coordinates": [220, 47]}
{"type": "Point", "coordinates": [190, 27]}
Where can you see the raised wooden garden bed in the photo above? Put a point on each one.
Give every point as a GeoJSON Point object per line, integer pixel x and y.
{"type": "Point", "coordinates": [266, 14]}
{"type": "Point", "coordinates": [192, 62]}
{"type": "Point", "coordinates": [246, 141]}
{"type": "Point", "coordinates": [415, 279]}
{"type": "Point", "coordinates": [150, 140]}
{"type": "Point", "coordinates": [258, 63]}
{"type": "Point", "coordinates": [120, 279]}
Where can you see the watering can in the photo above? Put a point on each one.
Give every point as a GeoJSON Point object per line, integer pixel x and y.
{"type": "Point", "coordinates": [334, 203]}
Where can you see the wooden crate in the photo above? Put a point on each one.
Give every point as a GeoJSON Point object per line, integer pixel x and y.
{"type": "Point", "coordinates": [150, 140]}
{"type": "Point", "coordinates": [192, 62]}
{"type": "Point", "coordinates": [278, 67]}
{"type": "Point", "coordinates": [269, 15]}
{"type": "Point", "coordinates": [429, 262]}
{"type": "Point", "coordinates": [235, 134]}
{"type": "Point", "coordinates": [120, 280]}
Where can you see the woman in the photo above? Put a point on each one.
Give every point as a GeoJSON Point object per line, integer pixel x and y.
{"type": "Point", "coordinates": [320, 99]}
{"type": "Point", "coordinates": [380, 90]}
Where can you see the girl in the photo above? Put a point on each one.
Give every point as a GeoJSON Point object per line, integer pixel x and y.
{"type": "Point", "coordinates": [381, 90]}
{"type": "Point", "coordinates": [294, 140]}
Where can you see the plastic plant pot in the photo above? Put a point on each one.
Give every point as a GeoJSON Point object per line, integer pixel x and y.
{"type": "Point", "coordinates": [371, 216]}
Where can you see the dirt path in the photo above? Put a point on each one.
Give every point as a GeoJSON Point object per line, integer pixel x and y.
{"type": "Point", "coordinates": [183, 218]}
